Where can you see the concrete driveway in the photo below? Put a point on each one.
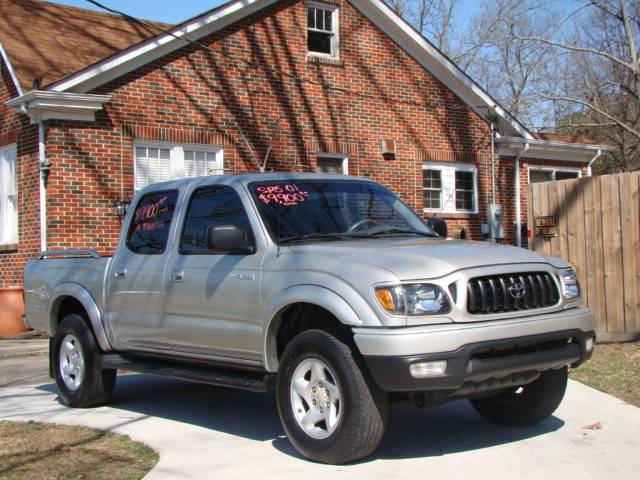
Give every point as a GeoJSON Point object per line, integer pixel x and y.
{"type": "Point", "coordinates": [209, 432]}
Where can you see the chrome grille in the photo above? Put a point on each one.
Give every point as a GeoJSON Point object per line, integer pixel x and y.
{"type": "Point", "coordinates": [511, 292]}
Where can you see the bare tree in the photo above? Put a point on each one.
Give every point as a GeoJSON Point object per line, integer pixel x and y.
{"type": "Point", "coordinates": [510, 66]}
{"type": "Point", "coordinates": [600, 94]}
{"type": "Point", "coordinates": [489, 46]}
{"type": "Point", "coordinates": [435, 19]}
{"type": "Point", "coordinates": [571, 65]}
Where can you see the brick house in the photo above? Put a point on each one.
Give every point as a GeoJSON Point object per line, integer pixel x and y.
{"type": "Point", "coordinates": [94, 106]}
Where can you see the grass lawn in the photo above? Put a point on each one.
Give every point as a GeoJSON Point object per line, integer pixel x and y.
{"type": "Point", "coordinates": [47, 451]}
{"type": "Point", "coordinates": [614, 369]}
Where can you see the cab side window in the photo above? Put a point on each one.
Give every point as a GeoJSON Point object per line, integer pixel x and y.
{"type": "Point", "coordinates": [151, 222]}
{"type": "Point", "coordinates": [218, 205]}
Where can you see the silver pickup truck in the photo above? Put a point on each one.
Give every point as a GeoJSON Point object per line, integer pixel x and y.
{"type": "Point", "coordinates": [328, 288]}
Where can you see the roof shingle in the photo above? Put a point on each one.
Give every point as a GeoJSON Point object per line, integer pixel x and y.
{"type": "Point", "coordinates": [52, 41]}
{"type": "Point", "coordinates": [555, 137]}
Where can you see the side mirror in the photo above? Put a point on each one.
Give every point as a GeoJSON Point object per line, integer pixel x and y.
{"type": "Point", "coordinates": [228, 238]}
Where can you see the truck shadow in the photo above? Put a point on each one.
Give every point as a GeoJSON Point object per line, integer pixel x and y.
{"type": "Point", "coordinates": [411, 433]}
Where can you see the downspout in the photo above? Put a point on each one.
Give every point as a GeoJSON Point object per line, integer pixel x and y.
{"type": "Point", "coordinates": [493, 162]}
{"type": "Point", "coordinates": [43, 169]}
{"type": "Point", "coordinates": [517, 195]}
{"type": "Point", "coordinates": [43, 166]}
{"type": "Point", "coordinates": [595, 157]}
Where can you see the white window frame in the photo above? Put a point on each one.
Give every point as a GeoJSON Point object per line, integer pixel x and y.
{"type": "Point", "coordinates": [337, 156]}
{"type": "Point", "coordinates": [9, 222]}
{"type": "Point", "coordinates": [335, 28]}
{"type": "Point", "coordinates": [554, 170]}
{"type": "Point", "coordinates": [448, 193]}
{"type": "Point", "coordinates": [176, 154]}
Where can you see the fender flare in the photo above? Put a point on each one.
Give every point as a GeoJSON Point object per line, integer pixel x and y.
{"type": "Point", "coordinates": [84, 297]}
{"type": "Point", "coordinates": [315, 295]}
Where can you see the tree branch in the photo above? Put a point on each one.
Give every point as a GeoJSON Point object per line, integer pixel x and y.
{"type": "Point", "coordinates": [594, 108]}
{"type": "Point", "coordinates": [593, 51]}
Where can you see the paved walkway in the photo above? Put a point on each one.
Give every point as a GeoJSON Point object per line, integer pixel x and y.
{"type": "Point", "coordinates": [215, 433]}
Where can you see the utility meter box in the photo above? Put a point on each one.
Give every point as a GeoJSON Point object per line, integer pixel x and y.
{"type": "Point", "coordinates": [495, 220]}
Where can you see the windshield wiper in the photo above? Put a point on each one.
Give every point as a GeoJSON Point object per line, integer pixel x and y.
{"type": "Point", "coordinates": [394, 231]}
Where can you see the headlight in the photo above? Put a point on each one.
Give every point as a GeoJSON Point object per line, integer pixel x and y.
{"type": "Point", "coordinates": [571, 285]}
{"type": "Point", "coordinates": [414, 299]}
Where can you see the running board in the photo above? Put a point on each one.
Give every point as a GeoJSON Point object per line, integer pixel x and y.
{"type": "Point", "coordinates": [242, 380]}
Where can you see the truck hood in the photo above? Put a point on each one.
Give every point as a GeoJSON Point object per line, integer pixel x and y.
{"type": "Point", "coordinates": [417, 258]}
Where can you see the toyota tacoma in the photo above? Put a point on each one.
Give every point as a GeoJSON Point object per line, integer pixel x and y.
{"type": "Point", "coordinates": [328, 289]}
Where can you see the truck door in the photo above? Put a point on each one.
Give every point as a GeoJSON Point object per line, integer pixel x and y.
{"type": "Point", "coordinates": [213, 299]}
{"type": "Point", "coordinates": [135, 296]}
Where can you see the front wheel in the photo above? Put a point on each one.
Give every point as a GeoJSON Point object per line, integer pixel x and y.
{"type": "Point", "coordinates": [79, 376]}
{"type": "Point", "coordinates": [525, 405]}
{"type": "Point", "coordinates": [328, 410]}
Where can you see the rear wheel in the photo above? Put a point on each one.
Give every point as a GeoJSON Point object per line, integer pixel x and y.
{"type": "Point", "coordinates": [328, 410]}
{"type": "Point", "coordinates": [527, 404]}
{"type": "Point", "coordinates": [79, 376]}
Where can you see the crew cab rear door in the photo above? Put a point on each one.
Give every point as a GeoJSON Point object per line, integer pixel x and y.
{"type": "Point", "coordinates": [213, 298]}
{"type": "Point", "coordinates": [135, 284]}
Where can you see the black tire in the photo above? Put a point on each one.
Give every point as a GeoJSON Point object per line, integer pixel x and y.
{"type": "Point", "coordinates": [363, 406]}
{"type": "Point", "coordinates": [96, 385]}
{"type": "Point", "coordinates": [526, 405]}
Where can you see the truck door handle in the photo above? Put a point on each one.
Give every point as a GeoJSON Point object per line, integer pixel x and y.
{"type": "Point", "coordinates": [176, 277]}
{"type": "Point", "coordinates": [122, 274]}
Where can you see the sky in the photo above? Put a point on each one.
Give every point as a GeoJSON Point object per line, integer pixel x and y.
{"type": "Point", "coordinates": [168, 11]}
{"type": "Point", "coordinates": [171, 11]}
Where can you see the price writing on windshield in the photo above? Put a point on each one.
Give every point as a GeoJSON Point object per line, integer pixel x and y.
{"type": "Point", "coordinates": [289, 195]}
{"type": "Point", "coordinates": [146, 215]}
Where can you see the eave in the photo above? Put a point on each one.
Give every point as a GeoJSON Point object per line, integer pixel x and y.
{"type": "Point", "coordinates": [45, 105]}
{"type": "Point", "coordinates": [12, 73]}
{"type": "Point", "coordinates": [550, 150]}
{"type": "Point", "coordinates": [147, 51]}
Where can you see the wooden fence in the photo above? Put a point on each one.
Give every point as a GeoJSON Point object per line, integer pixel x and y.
{"type": "Point", "coordinates": [598, 232]}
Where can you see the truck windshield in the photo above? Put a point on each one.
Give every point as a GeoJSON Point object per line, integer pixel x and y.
{"type": "Point", "coordinates": [322, 210]}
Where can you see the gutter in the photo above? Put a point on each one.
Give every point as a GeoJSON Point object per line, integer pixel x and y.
{"type": "Point", "coordinates": [595, 157]}
{"type": "Point", "coordinates": [517, 195]}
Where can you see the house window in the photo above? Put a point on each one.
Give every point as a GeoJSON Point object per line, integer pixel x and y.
{"type": "Point", "coordinates": [8, 196]}
{"type": "Point", "coordinates": [332, 164]}
{"type": "Point", "coordinates": [160, 162]}
{"type": "Point", "coordinates": [322, 29]}
{"type": "Point", "coordinates": [432, 188]}
{"type": "Point", "coordinates": [465, 191]}
{"type": "Point", "coordinates": [537, 175]}
{"type": "Point", "coordinates": [450, 187]}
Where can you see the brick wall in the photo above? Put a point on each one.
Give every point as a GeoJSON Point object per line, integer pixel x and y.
{"type": "Point", "coordinates": [196, 97]}
{"type": "Point", "coordinates": [15, 129]}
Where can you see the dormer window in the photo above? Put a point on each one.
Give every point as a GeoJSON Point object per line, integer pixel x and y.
{"type": "Point", "coordinates": [322, 29]}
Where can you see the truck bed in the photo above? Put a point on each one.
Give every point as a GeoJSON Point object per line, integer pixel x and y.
{"type": "Point", "coordinates": [52, 269]}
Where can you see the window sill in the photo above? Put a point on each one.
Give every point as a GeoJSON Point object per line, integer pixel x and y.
{"type": "Point", "coordinates": [451, 215]}
{"type": "Point", "coordinates": [8, 247]}
{"type": "Point", "coordinates": [319, 59]}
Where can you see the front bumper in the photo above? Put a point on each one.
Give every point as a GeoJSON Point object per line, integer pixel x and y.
{"type": "Point", "coordinates": [480, 356]}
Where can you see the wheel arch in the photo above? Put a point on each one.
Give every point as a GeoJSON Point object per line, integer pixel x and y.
{"type": "Point", "coordinates": [309, 297]}
{"type": "Point", "coordinates": [66, 295]}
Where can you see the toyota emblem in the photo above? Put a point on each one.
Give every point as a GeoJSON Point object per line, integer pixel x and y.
{"type": "Point", "coordinates": [516, 290]}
